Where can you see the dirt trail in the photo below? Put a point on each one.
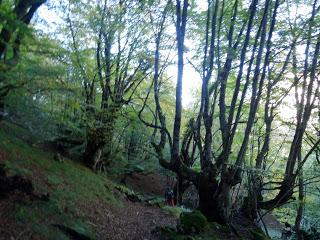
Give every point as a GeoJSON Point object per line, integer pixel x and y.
{"type": "Point", "coordinates": [135, 221]}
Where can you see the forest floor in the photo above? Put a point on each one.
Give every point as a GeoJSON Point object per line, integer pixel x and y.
{"type": "Point", "coordinates": [48, 199]}
{"type": "Point", "coordinates": [134, 221]}
{"type": "Point", "coordinates": [43, 198]}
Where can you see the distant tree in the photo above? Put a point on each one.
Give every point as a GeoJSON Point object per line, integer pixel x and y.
{"type": "Point", "coordinates": [121, 65]}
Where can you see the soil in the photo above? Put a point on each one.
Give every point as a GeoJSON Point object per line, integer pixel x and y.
{"type": "Point", "coordinates": [135, 221]}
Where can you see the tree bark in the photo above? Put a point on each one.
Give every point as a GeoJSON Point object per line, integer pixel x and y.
{"type": "Point", "coordinates": [99, 141]}
{"type": "Point", "coordinates": [214, 197]}
{"type": "Point", "coordinates": [24, 11]}
{"type": "Point", "coordinates": [305, 104]}
{"type": "Point", "coordinates": [179, 189]}
{"type": "Point", "coordinates": [2, 108]}
{"type": "Point", "coordinates": [180, 33]}
{"type": "Point", "coordinates": [300, 204]}
{"type": "Point", "coordinates": [95, 144]}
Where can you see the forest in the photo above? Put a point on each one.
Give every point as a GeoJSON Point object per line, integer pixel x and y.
{"type": "Point", "coordinates": [159, 119]}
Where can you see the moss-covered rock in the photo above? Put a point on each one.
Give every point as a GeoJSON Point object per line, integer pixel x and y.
{"type": "Point", "coordinates": [192, 222]}
{"type": "Point", "coordinates": [208, 233]}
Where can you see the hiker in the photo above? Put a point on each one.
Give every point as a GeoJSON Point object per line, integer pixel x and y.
{"type": "Point", "coordinates": [169, 197]}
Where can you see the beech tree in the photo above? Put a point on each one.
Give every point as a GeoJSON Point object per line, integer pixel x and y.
{"type": "Point", "coordinates": [245, 54]}
{"type": "Point", "coordinates": [121, 64]}
{"type": "Point", "coordinates": [254, 123]}
{"type": "Point", "coordinates": [305, 77]}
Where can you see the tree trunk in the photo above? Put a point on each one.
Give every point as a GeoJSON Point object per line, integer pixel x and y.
{"type": "Point", "coordinates": [2, 113]}
{"type": "Point", "coordinates": [97, 159]}
{"type": "Point", "coordinates": [250, 204]}
{"type": "Point", "coordinates": [299, 212]}
{"type": "Point", "coordinates": [98, 140]}
{"type": "Point", "coordinates": [301, 203]}
{"type": "Point", "coordinates": [95, 144]}
{"type": "Point", "coordinates": [214, 198]}
{"type": "Point", "coordinates": [179, 188]}
{"type": "Point", "coordinates": [208, 204]}
{"type": "Point", "coordinates": [3, 94]}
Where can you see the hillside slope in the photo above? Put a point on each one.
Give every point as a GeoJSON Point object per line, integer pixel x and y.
{"type": "Point", "coordinates": [63, 199]}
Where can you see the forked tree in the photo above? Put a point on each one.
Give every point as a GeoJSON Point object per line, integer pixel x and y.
{"type": "Point", "coordinates": [121, 65]}
{"type": "Point", "coordinates": [238, 47]}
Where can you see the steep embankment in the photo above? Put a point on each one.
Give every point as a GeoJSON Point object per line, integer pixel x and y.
{"type": "Point", "coordinates": [42, 198]}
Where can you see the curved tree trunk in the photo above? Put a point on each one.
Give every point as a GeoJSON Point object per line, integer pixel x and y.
{"type": "Point", "coordinates": [284, 195]}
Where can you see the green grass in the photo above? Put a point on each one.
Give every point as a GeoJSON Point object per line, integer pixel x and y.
{"type": "Point", "coordinates": [174, 211]}
{"type": "Point", "coordinates": [69, 185]}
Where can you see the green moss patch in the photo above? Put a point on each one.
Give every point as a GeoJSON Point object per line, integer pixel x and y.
{"type": "Point", "coordinates": [193, 222]}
